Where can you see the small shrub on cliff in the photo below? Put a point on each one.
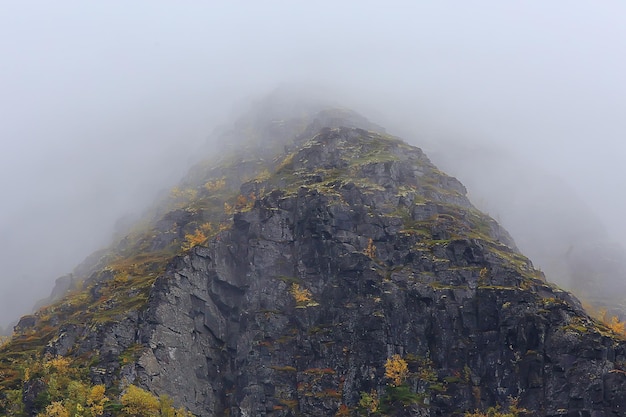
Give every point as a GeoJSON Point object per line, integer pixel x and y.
{"type": "Point", "coordinates": [303, 296]}
{"type": "Point", "coordinates": [396, 369]}
{"type": "Point", "coordinates": [369, 402]}
{"type": "Point", "coordinates": [191, 240]}
{"type": "Point", "coordinates": [398, 396]}
{"type": "Point", "coordinates": [96, 400]}
{"type": "Point", "coordinates": [602, 315]}
{"type": "Point", "coordinates": [612, 322]}
{"type": "Point", "coordinates": [216, 185]}
{"type": "Point", "coordinates": [56, 409]}
{"type": "Point", "coordinates": [343, 411]}
{"type": "Point", "coordinates": [617, 326]}
{"type": "Point", "coordinates": [138, 402]}
{"type": "Point", "coordinates": [370, 250]}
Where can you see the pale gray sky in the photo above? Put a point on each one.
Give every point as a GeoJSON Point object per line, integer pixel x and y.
{"type": "Point", "coordinates": [104, 103]}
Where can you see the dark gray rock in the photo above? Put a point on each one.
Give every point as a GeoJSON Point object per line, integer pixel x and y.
{"type": "Point", "coordinates": [390, 257]}
{"type": "Point", "coordinates": [225, 334]}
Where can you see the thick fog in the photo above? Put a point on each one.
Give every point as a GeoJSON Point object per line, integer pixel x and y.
{"type": "Point", "coordinates": [105, 104]}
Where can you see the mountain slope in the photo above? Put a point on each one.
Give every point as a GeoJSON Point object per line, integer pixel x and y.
{"type": "Point", "coordinates": [564, 237]}
{"type": "Point", "coordinates": [325, 269]}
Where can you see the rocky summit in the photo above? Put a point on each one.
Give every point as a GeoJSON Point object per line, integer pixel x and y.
{"type": "Point", "coordinates": [319, 267]}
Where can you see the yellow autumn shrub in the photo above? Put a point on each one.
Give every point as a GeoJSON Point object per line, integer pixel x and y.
{"type": "Point", "coordinates": [138, 402]}
{"type": "Point", "coordinates": [300, 294]}
{"type": "Point", "coordinates": [396, 369]}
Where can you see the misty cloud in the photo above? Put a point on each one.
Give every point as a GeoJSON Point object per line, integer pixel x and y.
{"type": "Point", "coordinates": [105, 105]}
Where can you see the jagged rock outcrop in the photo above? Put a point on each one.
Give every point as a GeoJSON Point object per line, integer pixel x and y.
{"type": "Point", "coordinates": [345, 248]}
{"type": "Point", "coordinates": [564, 236]}
{"type": "Point", "coordinates": [439, 290]}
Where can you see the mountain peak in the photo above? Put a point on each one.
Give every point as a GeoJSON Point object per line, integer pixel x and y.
{"type": "Point", "coordinates": [322, 267]}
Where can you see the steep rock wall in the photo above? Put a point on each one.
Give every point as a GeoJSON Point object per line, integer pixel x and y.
{"type": "Point", "coordinates": [396, 262]}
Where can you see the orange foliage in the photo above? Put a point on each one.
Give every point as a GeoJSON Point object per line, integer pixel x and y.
{"type": "Point", "coordinates": [242, 202]}
{"type": "Point", "coordinates": [396, 369]}
{"type": "Point", "coordinates": [195, 239]}
{"type": "Point", "coordinates": [343, 411]}
{"type": "Point", "coordinates": [301, 295]}
{"type": "Point", "coordinates": [612, 322]}
{"type": "Point", "coordinates": [207, 228]}
{"type": "Point", "coordinates": [370, 250]}
{"type": "Point", "coordinates": [616, 325]}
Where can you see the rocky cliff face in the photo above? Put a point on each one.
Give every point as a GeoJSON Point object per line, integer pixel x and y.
{"type": "Point", "coordinates": [564, 237]}
{"type": "Point", "coordinates": [342, 256]}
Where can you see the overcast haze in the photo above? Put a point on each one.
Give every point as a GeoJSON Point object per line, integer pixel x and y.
{"type": "Point", "coordinates": [105, 104]}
